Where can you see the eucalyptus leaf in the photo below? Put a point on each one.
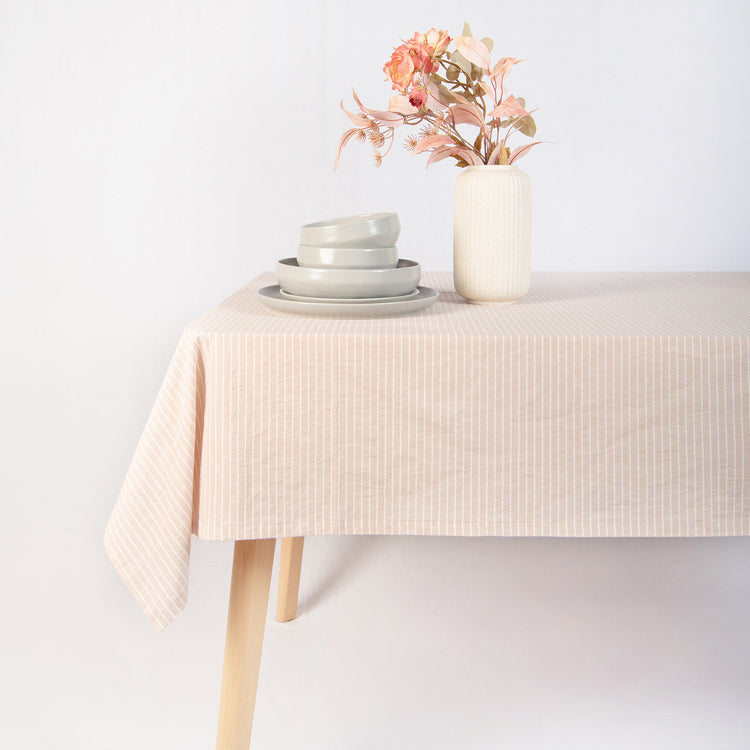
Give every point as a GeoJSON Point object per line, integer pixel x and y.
{"type": "Point", "coordinates": [478, 142]}
{"type": "Point", "coordinates": [476, 72]}
{"type": "Point", "coordinates": [445, 95]}
{"type": "Point", "coordinates": [521, 101]}
{"type": "Point", "coordinates": [452, 73]}
{"type": "Point", "coordinates": [527, 126]}
{"type": "Point", "coordinates": [467, 30]}
{"type": "Point", "coordinates": [488, 43]}
{"type": "Point", "coordinates": [462, 62]}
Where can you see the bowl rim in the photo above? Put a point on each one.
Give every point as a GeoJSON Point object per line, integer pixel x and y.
{"type": "Point", "coordinates": [402, 263]}
{"type": "Point", "coordinates": [345, 250]}
{"type": "Point", "coordinates": [342, 221]}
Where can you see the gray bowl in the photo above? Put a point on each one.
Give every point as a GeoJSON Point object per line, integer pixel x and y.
{"type": "Point", "coordinates": [347, 257]}
{"type": "Point", "coordinates": [348, 283]}
{"type": "Point", "coordinates": [363, 230]}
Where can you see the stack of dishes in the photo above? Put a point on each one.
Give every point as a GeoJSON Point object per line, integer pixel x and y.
{"type": "Point", "coordinates": [349, 267]}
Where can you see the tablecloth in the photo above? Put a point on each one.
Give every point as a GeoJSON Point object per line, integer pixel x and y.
{"type": "Point", "coordinates": [601, 404]}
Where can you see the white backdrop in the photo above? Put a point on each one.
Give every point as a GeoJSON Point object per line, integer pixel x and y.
{"type": "Point", "coordinates": [154, 156]}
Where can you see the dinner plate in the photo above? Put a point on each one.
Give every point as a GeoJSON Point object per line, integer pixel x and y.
{"type": "Point", "coordinates": [273, 298]}
{"type": "Point", "coordinates": [353, 300]}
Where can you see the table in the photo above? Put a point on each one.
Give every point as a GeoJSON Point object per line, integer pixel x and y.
{"type": "Point", "coordinates": [601, 404]}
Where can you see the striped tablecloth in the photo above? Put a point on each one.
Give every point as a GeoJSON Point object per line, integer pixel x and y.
{"type": "Point", "coordinates": [602, 404]}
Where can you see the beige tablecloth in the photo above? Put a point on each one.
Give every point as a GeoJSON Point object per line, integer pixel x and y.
{"type": "Point", "coordinates": [599, 405]}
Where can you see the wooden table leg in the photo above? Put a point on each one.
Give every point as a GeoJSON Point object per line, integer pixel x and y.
{"type": "Point", "coordinates": [248, 604]}
{"type": "Point", "coordinates": [289, 572]}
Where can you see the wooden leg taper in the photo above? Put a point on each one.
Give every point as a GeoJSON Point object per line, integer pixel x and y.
{"type": "Point", "coordinates": [248, 604]}
{"type": "Point", "coordinates": [289, 572]}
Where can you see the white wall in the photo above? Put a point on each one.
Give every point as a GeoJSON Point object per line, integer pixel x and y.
{"type": "Point", "coordinates": [154, 156]}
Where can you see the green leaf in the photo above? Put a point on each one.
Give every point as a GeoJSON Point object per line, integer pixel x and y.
{"type": "Point", "coordinates": [488, 43]}
{"type": "Point", "coordinates": [452, 73]}
{"type": "Point", "coordinates": [445, 94]}
{"type": "Point", "coordinates": [467, 30]}
{"type": "Point", "coordinates": [527, 126]}
{"type": "Point", "coordinates": [476, 72]}
{"type": "Point", "coordinates": [462, 62]}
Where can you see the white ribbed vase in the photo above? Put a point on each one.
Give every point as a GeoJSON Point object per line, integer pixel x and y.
{"type": "Point", "coordinates": [492, 234]}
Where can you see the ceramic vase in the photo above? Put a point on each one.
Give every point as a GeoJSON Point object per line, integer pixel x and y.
{"type": "Point", "coordinates": [492, 234]}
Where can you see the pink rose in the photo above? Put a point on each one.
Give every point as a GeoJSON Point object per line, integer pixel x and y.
{"type": "Point", "coordinates": [399, 70]}
{"type": "Point", "coordinates": [418, 56]}
{"type": "Point", "coordinates": [421, 55]}
{"type": "Point", "coordinates": [437, 41]}
{"type": "Point", "coordinates": [418, 98]}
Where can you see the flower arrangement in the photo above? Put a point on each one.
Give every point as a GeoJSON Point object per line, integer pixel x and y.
{"type": "Point", "coordinates": [442, 90]}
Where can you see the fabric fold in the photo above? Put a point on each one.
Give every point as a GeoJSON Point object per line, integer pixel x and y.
{"type": "Point", "coordinates": [148, 535]}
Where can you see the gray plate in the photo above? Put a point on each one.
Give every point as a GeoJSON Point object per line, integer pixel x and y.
{"type": "Point", "coordinates": [342, 300]}
{"type": "Point", "coordinates": [273, 298]}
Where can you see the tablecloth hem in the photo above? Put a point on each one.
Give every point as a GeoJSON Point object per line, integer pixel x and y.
{"type": "Point", "coordinates": [230, 536]}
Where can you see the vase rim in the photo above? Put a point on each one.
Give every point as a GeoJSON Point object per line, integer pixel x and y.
{"type": "Point", "coordinates": [491, 166]}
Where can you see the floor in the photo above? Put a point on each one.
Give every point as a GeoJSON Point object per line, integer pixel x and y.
{"type": "Point", "coordinates": [438, 643]}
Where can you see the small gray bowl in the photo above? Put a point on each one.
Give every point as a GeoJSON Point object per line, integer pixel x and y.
{"type": "Point", "coordinates": [347, 257]}
{"type": "Point", "coordinates": [363, 230]}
